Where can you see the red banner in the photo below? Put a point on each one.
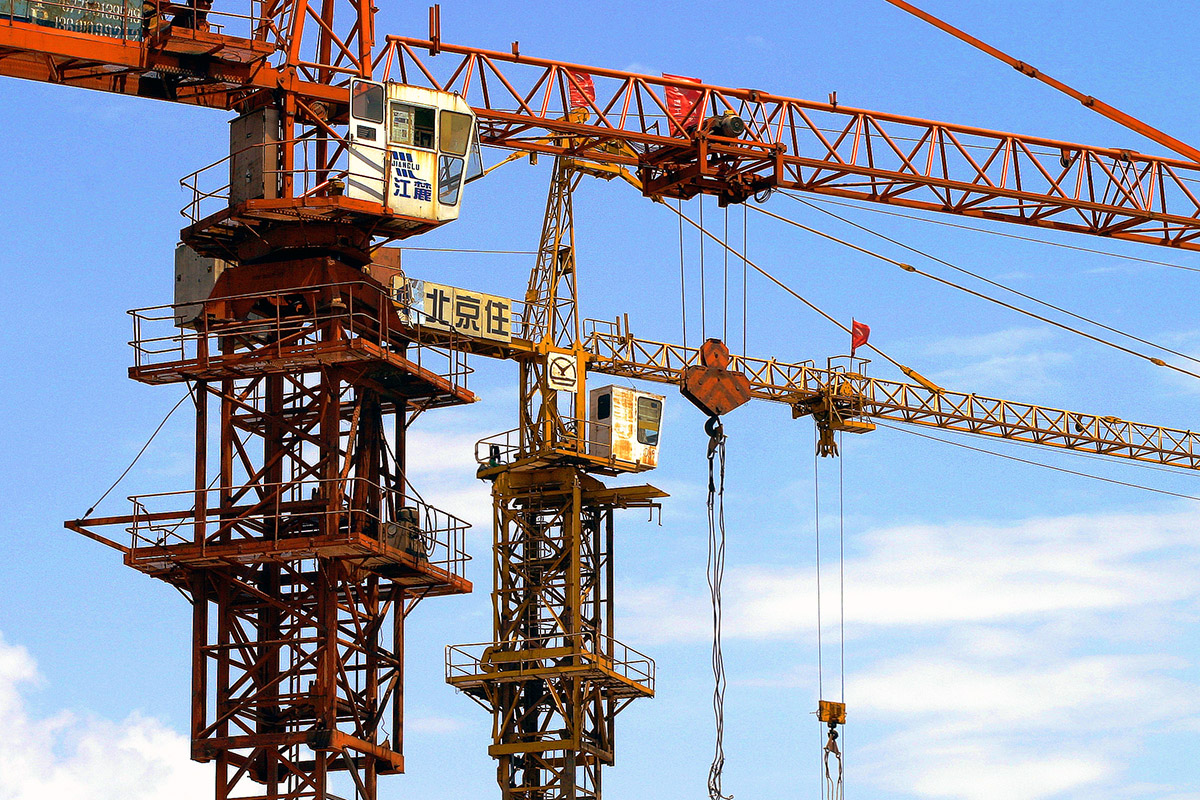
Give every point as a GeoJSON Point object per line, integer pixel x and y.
{"type": "Point", "coordinates": [859, 333]}
{"type": "Point", "coordinates": [684, 104]}
{"type": "Point", "coordinates": [580, 89]}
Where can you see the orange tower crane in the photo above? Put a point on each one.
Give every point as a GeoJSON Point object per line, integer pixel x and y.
{"type": "Point", "coordinates": [301, 544]}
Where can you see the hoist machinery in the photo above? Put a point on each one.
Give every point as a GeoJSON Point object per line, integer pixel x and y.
{"type": "Point", "coordinates": [300, 542]}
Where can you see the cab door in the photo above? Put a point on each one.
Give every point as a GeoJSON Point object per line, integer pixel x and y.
{"type": "Point", "coordinates": [368, 143]}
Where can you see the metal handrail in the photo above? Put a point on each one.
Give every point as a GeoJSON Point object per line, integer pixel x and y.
{"type": "Point", "coordinates": [287, 513]}
{"type": "Point", "coordinates": [509, 446]}
{"type": "Point", "coordinates": [309, 179]}
{"type": "Point", "coordinates": [361, 313]}
{"type": "Point", "coordinates": [589, 647]}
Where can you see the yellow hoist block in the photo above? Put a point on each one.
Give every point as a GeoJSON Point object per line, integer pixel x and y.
{"type": "Point", "coordinates": [830, 711]}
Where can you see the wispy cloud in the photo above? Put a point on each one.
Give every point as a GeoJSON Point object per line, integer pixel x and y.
{"type": "Point", "coordinates": [933, 576]}
{"type": "Point", "coordinates": [1016, 361]}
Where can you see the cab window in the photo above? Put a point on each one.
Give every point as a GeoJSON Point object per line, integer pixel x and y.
{"type": "Point", "coordinates": [456, 133]}
{"type": "Point", "coordinates": [367, 104]}
{"type": "Point", "coordinates": [450, 173]}
{"type": "Point", "coordinates": [411, 125]}
{"type": "Point", "coordinates": [649, 419]}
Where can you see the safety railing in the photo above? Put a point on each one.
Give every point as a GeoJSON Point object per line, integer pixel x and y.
{"type": "Point", "coordinates": [549, 653]}
{"type": "Point", "coordinates": [281, 513]}
{"type": "Point", "coordinates": [141, 20]}
{"type": "Point", "coordinates": [586, 437]}
{"type": "Point", "coordinates": [199, 16]}
{"type": "Point", "coordinates": [312, 175]}
{"type": "Point", "coordinates": [283, 323]}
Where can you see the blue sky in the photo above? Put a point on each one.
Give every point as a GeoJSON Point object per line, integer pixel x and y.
{"type": "Point", "coordinates": [1011, 632]}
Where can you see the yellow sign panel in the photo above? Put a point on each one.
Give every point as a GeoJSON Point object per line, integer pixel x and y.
{"type": "Point", "coordinates": [446, 308]}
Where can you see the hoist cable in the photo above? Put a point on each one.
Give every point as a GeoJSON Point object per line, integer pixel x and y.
{"type": "Point", "coordinates": [996, 284]}
{"type": "Point", "coordinates": [793, 292]}
{"type": "Point", "coordinates": [959, 226]}
{"type": "Point", "coordinates": [682, 284]}
{"type": "Point", "coordinates": [715, 569]}
{"type": "Point", "coordinates": [817, 526]}
{"type": "Point", "coordinates": [1158, 362]}
{"type": "Point", "coordinates": [1038, 463]}
{"type": "Point", "coordinates": [725, 284]}
{"type": "Point", "coordinates": [140, 453]}
{"type": "Point", "coordinates": [703, 279]}
{"type": "Point", "coordinates": [842, 564]}
{"type": "Point", "coordinates": [745, 249]}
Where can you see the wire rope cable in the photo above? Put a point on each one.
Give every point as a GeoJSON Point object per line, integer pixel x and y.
{"type": "Point", "coordinates": [994, 283]}
{"type": "Point", "coordinates": [141, 452]}
{"type": "Point", "coordinates": [1004, 234]}
{"type": "Point", "coordinates": [682, 283]}
{"type": "Point", "coordinates": [715, 570]}
{"type": "Point", "coordinates": [910, 268]}
{"type": "Point", "coordinates": [1041, 464]}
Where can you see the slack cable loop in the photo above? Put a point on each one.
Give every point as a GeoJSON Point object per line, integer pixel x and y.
{"type": "Point", "coordinates": [140, 453]}
{"type": "Point", "coordinates": [833, 779]}
{"type": "Point", "coordinates": [1158, 362]}
{"type": "Point", "coordinates": [716, 575]}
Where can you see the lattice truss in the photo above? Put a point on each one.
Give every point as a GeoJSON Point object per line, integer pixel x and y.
{"type": "Point", "coordinates": [552, 601]}
{"type": "Point", "coordinates": [304, 546]}
{"type": "Point", "coordinates": [664, 125]}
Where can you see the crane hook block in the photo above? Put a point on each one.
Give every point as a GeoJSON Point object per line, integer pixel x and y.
{"type": "Point", "coordinates": [831, 712]}
{"type": "Point", "coordinates": [711, 385]}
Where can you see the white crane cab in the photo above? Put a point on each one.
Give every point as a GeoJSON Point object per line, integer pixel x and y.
{"type": "Point", "coordinates": [409, 149]}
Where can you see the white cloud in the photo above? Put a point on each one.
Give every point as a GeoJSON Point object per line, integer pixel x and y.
{"type": "Point", "coordinates": [1013, 361]}
{"type": "Point", "coordinates": [1026, 660]}
{"type": "Point", "coordinates": [75, 757]}
{"type": "Point", "coordinates": [934, 576]}
{"type": "Point", "coordinates": [433, 725]}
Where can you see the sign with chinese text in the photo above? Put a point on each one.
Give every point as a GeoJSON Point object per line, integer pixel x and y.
{"type": "Point", "coordinates": [446, 308]}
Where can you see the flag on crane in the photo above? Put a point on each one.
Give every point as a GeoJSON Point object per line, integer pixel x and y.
{"type": "Point", "coordinates": [581, 89]}
{"type": "Point", "coordinates": [683, 104]}
{"type": "Point", "coordinates": [860, 332]}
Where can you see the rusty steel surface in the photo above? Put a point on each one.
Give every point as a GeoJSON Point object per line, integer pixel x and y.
{"type": "Point", "coordinates": [810, 146]}
{"type": "Point", "coordinates": [301, 545]}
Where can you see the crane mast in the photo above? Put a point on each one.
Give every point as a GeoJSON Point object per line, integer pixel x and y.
{"type": "Point", "coordinates": [301, 544]}
{"type": "Point", "coordinates": [554, 677]}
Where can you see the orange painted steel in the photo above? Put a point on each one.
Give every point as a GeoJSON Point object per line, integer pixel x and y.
{"type": "Point", "coordinates": [823, 148]}
{"type": "Point", "coordinates": [1099, 106]}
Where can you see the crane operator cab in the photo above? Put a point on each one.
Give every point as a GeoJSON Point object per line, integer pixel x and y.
{"type": "Point", "coordinates": [411, 149]}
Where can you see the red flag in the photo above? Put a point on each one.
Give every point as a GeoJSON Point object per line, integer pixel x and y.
{"type": "Point", "coordinates": [859, 333]}
{"type": "Point", "coordinates": [580, 89]}
{"type": "Point", "coordinates": [683, 104]}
